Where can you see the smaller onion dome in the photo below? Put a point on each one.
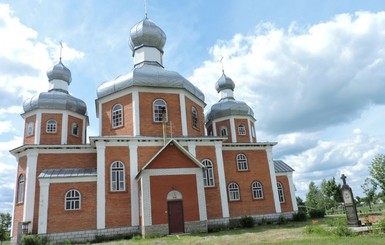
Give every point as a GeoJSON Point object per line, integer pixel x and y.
{"type": "Point", "coordinates": [147, 33]}
{"type": "Point", "coordinates": [60, 72]}
{"type": "Point", "coordinates": [224, 82]}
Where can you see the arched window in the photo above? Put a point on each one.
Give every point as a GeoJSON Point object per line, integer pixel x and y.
{"type": "Point", "coordinates": [208, 173]}
{"type": "Point", "coordinates": [117, 116]}
{"type": "Point", "coordinates": [223, 131]}
{"type": "Point", "coordinates": [159, 109]}
{"type": "Point", "coordinates": [75, 129]}
{"type": "Point", "coordinates": [242, 162]}
{"type": "Point", "coordinates": [51, 126]}
{"type": "Point", "coordinates": [194, 117]}
{"type": "Point", "coordinates": [253, 131]}
{"type": "Point", "coordinates": [72, 200]}
{"type": "Point", "coordinates": [257, 190]}
{"type": "Point", "coordinates": [118, 182]}
{"type": "Point", "coordinates": [20, 189]}
{"type": "Point", "coordinates": [241, 129]}
{"type": "Point", "coordinates": [281, 195]}
{"type": "Point", "coordinates": [234, 192]}
{"type": "Point", "coordinates": [30, 127]}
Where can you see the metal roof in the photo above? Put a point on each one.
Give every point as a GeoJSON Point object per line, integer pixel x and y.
{"type": "Point", "coordinates": [228, 107]}
{"type": "Point", "coordinates": [281, 167]}
{"type": "Point", "coordinates": [149, 75]}
{"type": "Point", "coordinates": [55, 99]}
{"type": "Point", "coordinates": [147, 33]}
{"type": "Point", "coordinates": [67, 172]}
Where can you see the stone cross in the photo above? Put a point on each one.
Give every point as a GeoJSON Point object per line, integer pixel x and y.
{"type": "Point", "coordinates": [343, 177]}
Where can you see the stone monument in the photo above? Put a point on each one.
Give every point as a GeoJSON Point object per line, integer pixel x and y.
{"type": "Point", "coordinates": [350, 204]}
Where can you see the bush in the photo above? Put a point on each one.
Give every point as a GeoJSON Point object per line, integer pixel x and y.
{"type": "Point", "coordinates": [281, 220]}
{"type": "Point", "coordinates": [300, 216]}
{"type": "Point", "coordinates": [246, 222]}
{"type": "Point", "coordinates": [33, 240]}
{"type": "Point", "coordinates": [317, 213]}
{"type": "Point", "coordinates": [381, 224]}
{"type": "Point", "coordinates": [343, 230]}
{"type": "Point", "coordinates": [316, 229]}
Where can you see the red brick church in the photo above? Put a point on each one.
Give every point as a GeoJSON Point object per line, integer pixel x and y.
{"type": "Point", "coordinates": [158, 166]}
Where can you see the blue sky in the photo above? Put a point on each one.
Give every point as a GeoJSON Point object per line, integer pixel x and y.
{"type": "Point", "coordinates": [313, 71]}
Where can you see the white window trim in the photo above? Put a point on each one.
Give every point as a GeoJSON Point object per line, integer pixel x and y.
{"type": "Point", "coordinates": [154, 117]}
{"type": "Point", "coordinates": [73, 200]}
{"type": "Point", "coordinates": [20, 189]}
{"type": "Point", "coordinates": [234, 191]}
{"type": "Point", "coordinates": [258, 186]}
{"type": "Point", "coordinates": [243, 163]}
{"type": "Point", "coordinates": [51, 126]}
{"type": "Point", "coordinates": [30, 128]}
{"type": "Point", "coordinates": [241, 129]}
{"type": "Point", "coordinates": [112, 171]}
{"type": "Point", "coordinates": [224, 129]}
{"type": "Point", "coordinates": [72, 128]}
{"type": "Point", "coordinates": [209, 168]}
{"type": "Point", "coordinates": [194, 118]}
{"type": "Point", "coordinates": [281, 193]}
{"type": "Point", "coordinates": [116, 123]}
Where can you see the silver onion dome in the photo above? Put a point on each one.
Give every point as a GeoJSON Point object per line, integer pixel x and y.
{"type": "Point", "coordinates": [60, 72]}
{"type": "Point", "coordinates": [149, 75]}
{"type": "Point", "coordinates": [224, 82]}
{"type": "Point", "coordinates": [57, 97]}
{"type": "Point", "coordinates": [227, 105]}
{"type": "Point", "coordinates": [147, 34]}
{"type": "Point", "coordinates": [57, 100]}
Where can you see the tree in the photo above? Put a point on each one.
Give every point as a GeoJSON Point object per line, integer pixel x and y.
{"type": "Point", "coordinates": [377, 170]}
{"type": "Point", "coordinates": [331, 192]}
{"type": "Point", "coordinates": [5, 226]}
{"type": "Point", "coordinates": [369, 188]}
{"type": "Point", "coordinates": [314, 197]}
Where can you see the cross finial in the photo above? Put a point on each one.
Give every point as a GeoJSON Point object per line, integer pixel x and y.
{"type": "Point", "coordinates": [221, 60]}
{"type": "Point", "coordinates": [343, 177]}
{"type": "Point", "coordinates": [145, 8]}
{"type": "Point", "coordinates": [61, 48]}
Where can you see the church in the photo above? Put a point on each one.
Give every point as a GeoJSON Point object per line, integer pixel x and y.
{"type": "Point", "coordinates": [160, 165]}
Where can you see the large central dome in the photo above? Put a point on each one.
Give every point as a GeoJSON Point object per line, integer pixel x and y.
{"type": "Point", "coordinates": [147, 34]}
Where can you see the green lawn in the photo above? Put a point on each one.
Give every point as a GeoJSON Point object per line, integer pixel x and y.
{"type": "Point", "coordinates": [290, 233]}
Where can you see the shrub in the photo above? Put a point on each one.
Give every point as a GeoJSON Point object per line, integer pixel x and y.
{"type": "Point", "coordinates": [316, 229]}
{"type": "Point", "coordinates": [246, 222]}
{"type": "Point", "coordinates": [343, 230]}
{"type": "Point", "coordinates": [33, 240]}
{"type": "Point", "coordinates": [281, 220]}
{"type": "Point", "coordinates": [317, 213]}
{"type": "Point", "coordinates": [300, 216]}
{"type": "Point", "coordinates": [381, 224]}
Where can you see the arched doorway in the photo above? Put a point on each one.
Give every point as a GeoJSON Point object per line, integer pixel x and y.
{"type": "Point", "coordinates": [175, 212]}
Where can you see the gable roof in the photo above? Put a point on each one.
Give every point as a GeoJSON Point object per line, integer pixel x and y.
{"type": "Point", "coordinates": [179, 147]}
{"type": "Point", "coordinates": [281, 167]}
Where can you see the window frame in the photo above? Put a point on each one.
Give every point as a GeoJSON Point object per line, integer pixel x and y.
{"type": "Point", "coordinates": [242, 164]}
{"type": "Point", "coordinates": [281, 193]}
{"type": "Point", "coordinates": [233, 192]}
{"type": "Point", "coordinates": [194, 118]}
{"type": "Point", "coordinates": [51, 126]}
{"type": "Point", "coordinates": [117, 176]}
{"type": "Point", "coordinates": [20, 188]}
{"type": "Point", "coordinates": [72, 200]}
{"type": "Point", "coordinates": [223, 131]}
{"type": "Point", "coordinates": [208, 173]}
{"type": "Point", "coordinates": [157, 111]}
{"type": "Point", "coordinates": [257, 190]}
{"type": "Point", "coordinates": [117, 116]}
{"type": "Point", "coordinates": [30, 128]}
{"type": "Point", "coordinates": [241, 129]}
{"type": "Point", "coordinates": [74, 126]}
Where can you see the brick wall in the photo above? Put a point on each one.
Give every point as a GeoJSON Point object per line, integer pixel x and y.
{"type": "Point", "coordinates": [258, 171]}
{"type": "Point", "coordinates": [286, 206]}
{"type": "Point", "coordinates": [212, 194]}
{"type": "Point", "coordinates": [127, 128]}
{"type": "Point", "coordinates": [50, 138]}
{"type": "Point", "coordinates": [150, 128]}
{"type": "Point", "coordinates": [71, 138]}
{"type": "Point", "coordinates": [61, 220]}
{"type": "Point", "coordinates": [225, 123]}
{"type": "Point", "coordinates": [242, 138]}
{"type": "Point", "coordinates": [200, 131]}
{"type": "Point", "coordinates": [118, 203]}
{"type": "Point", "coordinates": [29, 139]}
{"type": "Point", "coordinates": [160, 186]}
{"type": "Point", "coordinates": [18, 212]}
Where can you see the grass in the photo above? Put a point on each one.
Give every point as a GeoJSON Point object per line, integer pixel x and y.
{"type": "Point", "coordinates": [290, 233]}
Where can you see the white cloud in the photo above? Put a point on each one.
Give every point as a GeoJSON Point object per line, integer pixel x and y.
{"type": "Point", "coordinates": [308, 86]}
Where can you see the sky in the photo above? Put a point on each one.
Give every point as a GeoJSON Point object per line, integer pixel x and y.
{"type": "Point", "coordinates": [313, 71]}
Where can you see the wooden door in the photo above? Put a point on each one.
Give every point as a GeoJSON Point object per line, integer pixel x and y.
{"type": "Point", "coordinates": [175, 217]}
